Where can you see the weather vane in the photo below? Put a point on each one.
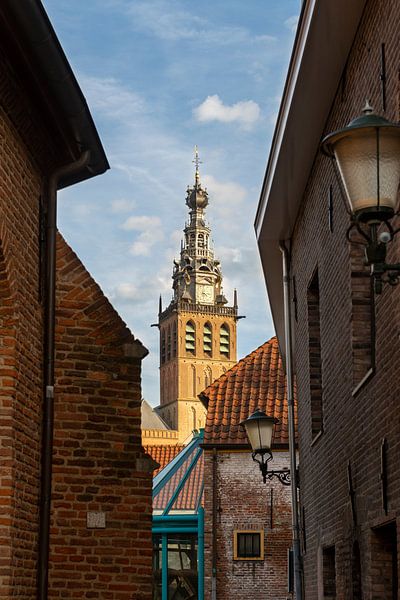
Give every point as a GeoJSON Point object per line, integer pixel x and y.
{"type": "Point", "coordinates": [197, 162]}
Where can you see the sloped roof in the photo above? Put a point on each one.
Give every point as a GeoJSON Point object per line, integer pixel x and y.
{"type": "Point", "coordinates": [162, 454]}
{"type": "Point", "coordinates": [178, 488]}
{"type": "Point", "coordinates": [256, 381]}
{"type": "Point", "coordinates": [150, 418]}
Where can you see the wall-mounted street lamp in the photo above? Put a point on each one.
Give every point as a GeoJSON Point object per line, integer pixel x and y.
{"type": "Point", "coordinates": [259, 429]}
{"type": "Point", "coordinates": [367, 154]}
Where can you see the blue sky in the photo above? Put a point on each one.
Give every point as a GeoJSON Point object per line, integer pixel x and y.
{"type": "Point", "coordinates": [161, 76]}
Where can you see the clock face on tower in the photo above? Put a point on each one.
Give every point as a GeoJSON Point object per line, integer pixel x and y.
{"type": "Point", "coordinates": [205, 293]}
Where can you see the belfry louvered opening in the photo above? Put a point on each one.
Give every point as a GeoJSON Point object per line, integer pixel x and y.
{"type": "Point", "coordinates": [224, 341]}
{"type": "Point", "coordinates": [190, 337]}
{"type": "Point", "coordinates": [207, 339]}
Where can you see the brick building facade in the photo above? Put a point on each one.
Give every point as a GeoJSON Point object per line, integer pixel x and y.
{"type": "Point", "coordinates": [101, 519]}
{"type": "Point", "coordinates": [99, 466]}
{"type": "Point", "coordinates": [346, 339]}
{"type": "Point", "coordinates": [237, 505]}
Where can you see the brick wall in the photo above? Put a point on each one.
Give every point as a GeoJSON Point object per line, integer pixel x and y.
{"type": "Point", "coordinates": [99, 464]}
{"type": "Point", "coordinates": [244, 502]}
{"type": "Point", "coordinates": [354, 423]}
{"type": "Point", "coordinates": [20, 348]}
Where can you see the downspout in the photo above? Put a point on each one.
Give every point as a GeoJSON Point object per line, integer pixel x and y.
{"type": "Point", "coordinates": [214, 527]}
{"type": "Point", "coordinates": [298, 579]}
{"type": "Point", "coordinates": [48, 362]}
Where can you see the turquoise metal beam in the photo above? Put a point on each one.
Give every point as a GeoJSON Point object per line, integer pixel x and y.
{"type": "Point", "coordinates": [166, 530]}
{"type": "Point", "coordinates": [171, 468]}
{"type": "Point", "coordinates": [183, 481]}
{"type": "Point", "coordinates": [173, 518]}
{"type": "Point", "coordinates": [200, 555]}
{"type": "Point", "coordinates": [164, 567]}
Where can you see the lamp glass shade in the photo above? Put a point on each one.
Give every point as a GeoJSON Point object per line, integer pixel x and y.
{"type": "Point", "coordinates": [259, 428]}
{"type": "Point", "coordinates": [369, 164]}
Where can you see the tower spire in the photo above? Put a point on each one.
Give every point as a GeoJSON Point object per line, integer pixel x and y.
{"type": "Point", "coordinates": [197, 162]}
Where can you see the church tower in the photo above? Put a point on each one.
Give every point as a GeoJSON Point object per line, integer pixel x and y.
{"type": "Point", "coordinates": [197, 329]}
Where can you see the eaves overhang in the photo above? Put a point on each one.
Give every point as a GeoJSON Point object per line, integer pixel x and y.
{"type": "Point", "coordinates": [44, 60]}
{"type": "Point", "coordinates": [323, 41]}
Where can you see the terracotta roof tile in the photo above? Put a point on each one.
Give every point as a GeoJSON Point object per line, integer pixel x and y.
{"type": "Point", "coordinates": [162, 454]}
{"type": "Point", "coordinates": [256, 381]}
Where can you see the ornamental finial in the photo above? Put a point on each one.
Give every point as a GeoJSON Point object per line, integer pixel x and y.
{"type": "Point", "coordinates": [197, 162]}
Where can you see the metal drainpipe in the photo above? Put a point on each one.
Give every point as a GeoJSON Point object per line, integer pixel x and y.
{"type": "Point", "coordinates": [214, 528]}
{"type": "Point", "coordinates": [49, 353]}
{"type": "Point", "coordinates": [298, 579]}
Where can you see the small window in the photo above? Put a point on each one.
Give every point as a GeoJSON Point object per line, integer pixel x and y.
{"type": "Point", "coordinates": [248, 545]}
{"type": "Point", "coordinates": [174, 339]}
{"type": "Point", "coordinates": [190, 337]}
{"type": "Point", "coordinates": [169, 343]}
{"type": "Point", "coordinates": [329, 573]}
{"type": "Point", "coordinates": [314, 352]}
{"type": "Point", "coordinates": [207, 339]}
{"type": "Point", "coordinates": [163, 345]}
{"type": "Point", "coordinates": [224, 341]}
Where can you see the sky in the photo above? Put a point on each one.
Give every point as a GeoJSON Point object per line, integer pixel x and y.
{"type": "Point", "coordinates": [161, 76]}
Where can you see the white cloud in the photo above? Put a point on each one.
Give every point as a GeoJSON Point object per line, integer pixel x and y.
{"type": "Point", "coordinates": [291, 23]}
{"type": "Point", "coordinates": [225, 196]}
{"type": "Point", "coordinates": [121, 205]}
{"type": "Point", "coordinates": [245, 112]}
{"type": "Point", "coordinates": [142, 223]}
{"type": "Point", "coordinates": [150, 233]}
{"type": "Point", "coordinates": [107, 96]}
{"type": "Point", "coordinates": [167, 20]}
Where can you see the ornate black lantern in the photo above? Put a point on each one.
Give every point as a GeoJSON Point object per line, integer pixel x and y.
{"type": "Point", "coordinates": [367, 154]}
{"type": "Point", "coordinates": [259, 429]}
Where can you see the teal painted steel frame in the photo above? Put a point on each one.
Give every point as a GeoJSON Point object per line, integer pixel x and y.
{"type": "Point", "coordinates": [182, 481]}
{"type": "Point", "coordinates": [166, 524]}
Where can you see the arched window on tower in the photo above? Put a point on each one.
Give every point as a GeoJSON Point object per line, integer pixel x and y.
{"type": "Point", "coordinates": [190, 338]}
{"type": "Point", "coordinates": [207, 339]}
{"type": "Point", "coordinates": [169, 343]}
{"type": "Point", "coordinates": [207, 377]}
{"type": "Point", "coordinates": [224, 340]}
{"type": "Point", "coordinates": [201, 240]}
{"type": "Point", "coordinates": [193, 381]}
{"type": "Point", "coordinates": [174, 338]}
{"type": "Point", "coordinates": [163, 345]}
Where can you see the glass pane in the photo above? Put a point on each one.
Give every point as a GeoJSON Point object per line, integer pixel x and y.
{"type": "Point", "coordinates": [157, 562]}
{"type": "Point", "coordinates": [182, 567]}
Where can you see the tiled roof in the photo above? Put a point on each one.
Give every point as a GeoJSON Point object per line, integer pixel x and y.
{"type": "Point", "coordinates": [183, 478]}
{"type": "Point", "coordinates": [163, 454]}
{"type": "Point", "coordinates": [256, 381]}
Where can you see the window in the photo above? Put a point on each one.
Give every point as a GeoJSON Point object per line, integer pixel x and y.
{"type": "Point", "coordinates": [163, 345]}
{"type": "Point", "coordinates": [362, 318]}
{"type": "Point", "coordinates": [169, 343]}
{"type": "Point", "coordinates": [207, 377]}
{"type": "Point", "coordinates": [329, 573]}
{"type": "Point", "coordinates": [356, 572]}
{"type": "Point", "coordinates": [224, 341]}
{"type": "Point", "coordinates": [174, 339]}
{"type": "Point", "coordinates": [190, 337]}
{"type": "Point", "coordinates": [207, 339]}
{"type": "Point", "coordinates": [384, 559]}
{"type": "Point", "coordinates": [314, 352]}
{"type": "Point", "coordinates": [248, 545]}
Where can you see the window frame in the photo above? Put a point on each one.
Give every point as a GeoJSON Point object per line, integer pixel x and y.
{"type": "Point", "coordinates": [236, 534]}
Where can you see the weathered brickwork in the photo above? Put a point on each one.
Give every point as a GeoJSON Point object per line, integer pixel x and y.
{"type": "Point", "coordinates": [354, 423]}
{"type": "Point", "coordinates": [20, 363]}
{"type": "Point", "coordinates": [243, 502]}
{"type": "Point", "coordinates": [99, 463]}
{"type": "Point", "coordinates": [102, 375]}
